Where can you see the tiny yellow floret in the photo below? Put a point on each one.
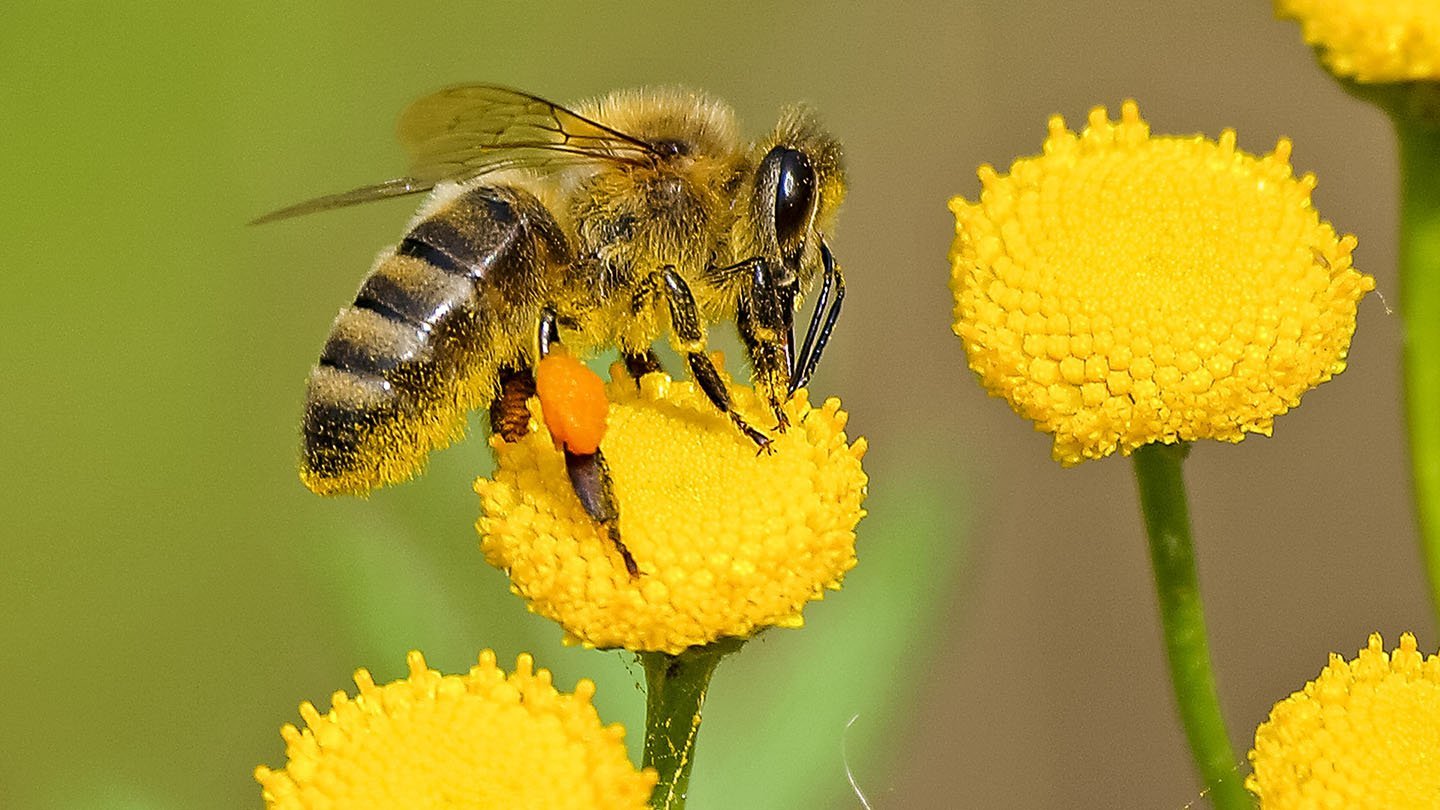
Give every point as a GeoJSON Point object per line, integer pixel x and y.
{"type": "Point", "coordinates": [477, 741]}
{"type": "Point", "coordinates": [1363, 735]}
{"type": "Point", "coordinates": [1371, 41]}
{"type": "Point", "coordinates": [1122, 289]}
{"type": "Point", "coordinates": [728, 540]}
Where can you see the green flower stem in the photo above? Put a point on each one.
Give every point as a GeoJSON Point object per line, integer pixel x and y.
{"type": "Point", "coordinates": [674, 697]}
{"type": "Point", "coordinates": [1172, 554]}
{"type": "Point", "coordinates": [1420, 305]}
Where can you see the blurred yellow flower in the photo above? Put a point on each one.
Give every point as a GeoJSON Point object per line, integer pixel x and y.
{"type": "Point", "coordinates": [457, 742]}
{"type": "Point", "coordinates": [1122, 289]}
{"type": "Point", "coordinates": [1365, 734]}
{"type": "Point", "coordinates": [728, 541]}
{"type": "Point", "coordinates": [1371, 40]}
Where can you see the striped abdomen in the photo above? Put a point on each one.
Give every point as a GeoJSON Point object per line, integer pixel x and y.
{"type": "Point", "coordinates": [422, 344]}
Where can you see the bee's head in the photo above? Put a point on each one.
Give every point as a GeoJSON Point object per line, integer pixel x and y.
{"type": "Point", "coordinates": [799, 184]}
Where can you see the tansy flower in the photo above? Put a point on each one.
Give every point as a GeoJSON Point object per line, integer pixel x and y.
{"type": "Point", "coordinates": [1387, 52]}
{"type": "Point", "coordinates": [1365, 734]}
{"type": "Point", "coordinates": [728, 541]}
{"type": "Point", "coordinates": [1371, 40]}
{"type": "Point", "coordinates": [436, 742]}
{"type": "Point", "coordinates": [1122, 289]}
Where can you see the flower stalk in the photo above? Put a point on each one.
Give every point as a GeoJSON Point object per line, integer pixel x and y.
{"type": "Point", "coordinates": [1383, 54]}
{"type": "Point", "coordinates": [1163, 502]}
{"type": "Point", "coordinates": [676, 686]}
{"type": "Point", "coordinates": [1420, 304]}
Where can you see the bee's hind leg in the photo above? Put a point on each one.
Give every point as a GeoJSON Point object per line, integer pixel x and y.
{"type": "Point", "coordinates": [685, 320]}
{"type": "Point", "coordinates": [588, 472]}
{"type": "Point", "coordinates": [590, 478]}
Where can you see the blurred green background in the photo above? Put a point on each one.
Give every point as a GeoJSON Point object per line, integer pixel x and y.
{"type": "Point", "coordinates": [169, 592]}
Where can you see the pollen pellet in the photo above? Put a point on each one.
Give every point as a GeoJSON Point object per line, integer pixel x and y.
{"type": "Point", "coordinates": [574, 402]}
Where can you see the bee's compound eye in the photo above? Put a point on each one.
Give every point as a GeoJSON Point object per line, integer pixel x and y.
{"type": "Point", "coordinates": [794, 197]}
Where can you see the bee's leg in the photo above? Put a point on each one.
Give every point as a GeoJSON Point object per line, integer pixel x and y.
{"type": "Point", "coordinates": [638, 364]}
{"type": "Point", "coordinates": [548, 333]}
{"type": "Point", "coordinates": [818, 334]}
{"type": "Point", "coordinates": [509, 415]}
{"type": "Point", "coordinates": [590, 478]}
{"type": "Point", "coordinates": [646, 290]}
{"type": "Point", "coordinates": [641, 362]}
{"type": "Point", "coordinates": [589, 474]}
{"type": "Point", "coordinates": [685, 320]}
{"type": "Point", "coordinates": [766, 321]}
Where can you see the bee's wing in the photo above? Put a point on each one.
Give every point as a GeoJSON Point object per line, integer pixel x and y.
{"type": "Point", "coordinates": [398, 187]}
{"type": "Point", "coordinates": [462, 131]}
{"type": "Point", "coordinates": [466, 131]}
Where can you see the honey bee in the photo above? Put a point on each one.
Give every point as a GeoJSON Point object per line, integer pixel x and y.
{"type": "Point", "coordinates": [638, 216]}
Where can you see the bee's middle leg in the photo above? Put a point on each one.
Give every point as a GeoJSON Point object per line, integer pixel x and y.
{"type": "Point", "coordinates": [640, 361]}
{"type": "Point", "coordinates": [638, 364]}
{"type": "Point", "coordinates": [509, 414]}
{"type": "Point", "coordinates": [685, 320]}
{"type": "Point", "coordinates": [589, 474]}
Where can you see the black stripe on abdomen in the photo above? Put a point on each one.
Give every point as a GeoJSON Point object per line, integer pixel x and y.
{"type": "Point", "coordinates": [412, 290]}
{"type": "Point", "coordinates": [459, 250]}
{"type": "Point", "coordinates": [341, 409]}
{"type": "Point", "coordinates": [383, 308]}
{"type": "Point", "coordinates": [432, 255]}
{"type": "Point", "coordinates": [365, 340]}
{"type": "Point", "coordinates": [467, 238]}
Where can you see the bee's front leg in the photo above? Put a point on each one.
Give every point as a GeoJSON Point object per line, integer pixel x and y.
{"type": "Point", "coordinates": [766, 320]}
{"type": "Point", "coordinates": [685, 321]}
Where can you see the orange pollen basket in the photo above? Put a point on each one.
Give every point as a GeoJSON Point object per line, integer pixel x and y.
{"type": "Point", "coordinates": [574, 402]}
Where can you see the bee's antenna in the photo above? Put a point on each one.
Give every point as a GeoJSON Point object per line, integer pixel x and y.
{"type": "Point", "coordinates": [818, 334]}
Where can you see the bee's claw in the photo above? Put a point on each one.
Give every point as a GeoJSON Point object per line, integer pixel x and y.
{"type": "Point", "coordinates": [782, 421]}
{"type": "Point", "coordinates": [759, 438]}
{"type": "Point", "coordinates": [630, 567]}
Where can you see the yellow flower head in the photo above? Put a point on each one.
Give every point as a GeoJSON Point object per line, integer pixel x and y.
{"type": "Point", "coordinates": [1365, 734]}
{"type": "Point", "coordinates": [446, 742]}
{"type": "Point", "coordinates": [1371, 40]}
{"type": "Point", "coordinates": [728, 541]}
{"type": "Point", "coordinates": [1123, 289]}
